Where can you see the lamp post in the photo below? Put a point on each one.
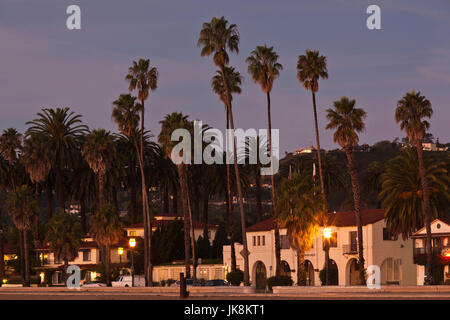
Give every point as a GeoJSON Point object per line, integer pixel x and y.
{"type": "Point", "coordinates": [327, 236]}
{"type": "Point", "coordinates": [120, 252]}
{"type": "Point", "coordinates": [132, 243]}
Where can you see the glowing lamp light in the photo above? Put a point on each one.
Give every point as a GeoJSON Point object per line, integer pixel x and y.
{"type": "Point", "coordinates": [327, 233]}
{"type": "Point", "coordinates": [4, 281]}
{"type": "Point", "coordinates": [120, 251]}
{"type": "Point", "coordinates": [132, 242]}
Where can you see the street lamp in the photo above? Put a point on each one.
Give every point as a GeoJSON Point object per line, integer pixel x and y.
{"type": "Point", "coordinates": [327, 236]}
{"type": "Point", "coordinates": [132, 243]}
{"type": "Point", "coordinates": [120, 252]}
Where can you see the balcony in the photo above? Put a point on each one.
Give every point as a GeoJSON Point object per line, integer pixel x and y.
{"type": "Point", "coordinates": [350, 248]}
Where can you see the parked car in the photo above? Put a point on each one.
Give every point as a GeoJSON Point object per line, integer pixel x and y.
{"type": "Point", "coordinates": [216, 283]}
{"type": "Point", "coordinates": [189, 282]}
{"type": "Point", "coordinates": [94, 284]}
{"type": "Point", "coordinates": [126, 281]}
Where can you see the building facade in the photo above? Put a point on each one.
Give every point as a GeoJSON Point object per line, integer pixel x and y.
{"type": "Point", "coordinates": [392, 255]}
{"type": "Point", "coordinates": [440, 235]}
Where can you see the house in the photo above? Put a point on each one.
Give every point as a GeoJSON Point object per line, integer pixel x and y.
{"type": "Point", "coordinates": [137, 230]}
{"type": "Point", "coordinates": [429, 146]}
{"type": "Point", "coordinates": [440, 235]}
{"type": "Point", "coordinates": [89, 259]}
{"type": "Point", "coordinates": [391, 254]}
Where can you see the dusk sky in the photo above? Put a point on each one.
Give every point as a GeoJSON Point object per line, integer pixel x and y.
{"type": "Point", "coordinates": [43, 64]}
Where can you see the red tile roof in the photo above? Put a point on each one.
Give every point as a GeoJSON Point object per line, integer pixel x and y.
{"type": "Point", "coordinates": [337, 219]}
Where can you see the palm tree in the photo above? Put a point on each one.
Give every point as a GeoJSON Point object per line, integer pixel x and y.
{"type": "Point", "coordinates": [23, 206]}
{"type": "Point", "coordinates": [301, 211]}
{"type": "Point", "coordinates": [142, 77]}
{"type": "Point", "coordinates": [264, 68]}
{"type": "Point", "coordinates": [348, 121]}
{"type": "Point", "coordinates": [410, 113]}
{"type": "Point", "coordinates": [37, 161]}
{"type": "Point", "coordinates": [170, 123]}
{"type": "Point", "coordinates": [126, 115]}
{"type": "Point", "coordinates": [62, 128]}
{"type": "Point", "coordinates": [402, 193]}
{"type": "Point", "coordinates": [99, 151]}
{"type": "Point", "coordinates": [64, 237]}
{"type": "Point", "coordinates": [106, 229]}
{"type": "Point", "coordinates": [233, 83]}
{"type": "Point", "coordinates": [310, 68]}
{"type": "Point", "coordinates": [10, 148]}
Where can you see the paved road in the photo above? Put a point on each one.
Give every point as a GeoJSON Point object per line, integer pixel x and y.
{"type": "Point", "coordinates": [80, 295]}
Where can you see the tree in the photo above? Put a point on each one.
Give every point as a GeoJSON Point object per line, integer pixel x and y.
{"type": "Point", "coordinates": [300, 210]}
{"type": "Point", "coordinates": [402, 193]}
{"type": "Point", "coordinates": [411, 112]}
{"type": "Point", "coordinates": [64, 237]}
{"type": "Point", "coordinates": [37, 160]}
{"type": "Point", "coordinates": [106, 229]}
{"type": "Point", "coordinates": [348, 121]}
{"type": "Point", "coordinates": [126, 115]}
{"type": "Point", "coordinates": [264, 68]}
{"type": "Point", "coordinates": [10, 148]}
{"type": "Point", "coordinates": [99, 151]}
{"type": "Point", "coordinates": [216, 37]}
{"type": "Point", "coordinates": [310, 68]}
{"type": "Point", "coordinates": [23, 206]}
{"type": "Point", "coordinates": [62, 128]}
{"type": "Point", "coordinates": [170, 123]}
{"type": "Point", "coordinates": [143, 77]}
{"type": "Point", "coordinates": [234, 81]}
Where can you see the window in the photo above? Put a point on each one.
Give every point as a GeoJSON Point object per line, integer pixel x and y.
{"type": "Point", "coordinates": [254, 241]}
{"type": "Point", "coordinates": [388, 236]}
{"type": "Point", "coordinates": [284, 242]}
{"type": "Point", "coordinates": [263, 240]}
{"type": "Point", "coordinates": [86, 255]}
{"type": "Point", "coordinates": [132, 233]}
{"type": "Point", "coordinates": [391, 272]}
{"type": "Point", "coordinates": [259, 240]}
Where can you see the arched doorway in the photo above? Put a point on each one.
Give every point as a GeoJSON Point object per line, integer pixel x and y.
{"type": "Point", "coordinates": [260, 275]}
{"type": "Point", "coordinates": [353, 273]}
{"type": "Point", "coordinates": [309, 269]}
{"type": "Point", "coordinates": [333, 274]}
{"type": "Point", "coordinates": [285, 269]}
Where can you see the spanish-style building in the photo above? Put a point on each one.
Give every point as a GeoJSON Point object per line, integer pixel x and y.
{"type": "Point", "coordinates": [440, 235]}
{"type": "Point", "coordinates": [392, 255]}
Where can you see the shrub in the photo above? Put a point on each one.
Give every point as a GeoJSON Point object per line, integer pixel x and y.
{"type": "Point", "coordinates": [163, 283]}
{"type": "Point", "coordinates": [279, 281]}
{"type": "Point", "coordinates": [170, 282]}
{"type": "Point", "coordinates": [235, 278]}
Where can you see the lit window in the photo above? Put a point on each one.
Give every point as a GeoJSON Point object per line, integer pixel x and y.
{"type": "Point", "coordinates": [132, 233]}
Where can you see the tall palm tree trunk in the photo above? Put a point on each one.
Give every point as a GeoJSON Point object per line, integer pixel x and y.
{"type": "Point", "coordinates": [166, 198]}
{"type": "Point", "coordinates": [241, 203]}
{"type": "Point", "coordinates": [258, 196]}
{"type": "Point", "coordinates": [36, 219]}
{"type": "Point", "coordinates": [175, 199]}
{"type": "Point", "coordinates": [108, 265]}
{"type": "Point", "coordinates": [426, 208]}
{"type": "Point", "coordinates": [191, 222]}
{"type": "Point", "coordinates": [357, 206]}
{"type": "Point", "coordinates": [229, 202]}
{"type": "Point", "coordinates": [186, 219]}
{"type": "Point", "coordinates": [148, 270]}
{"type": "Point", "coordinates": [319, 154]}
{"type": "Point", "coordinates": [101, 196]}
{"type": "Point", "coordinates": [22, 255]}
{"type": "Point", "coordinates": [300, 266]}
{"type": "Point", "coordinates": [274, 202]}
{"type": "Point", "coordinates": [205, 211]}
{"type": "Point", "coordinates": [83, 214]}
{"type": "Point", "coordinates": [2, 254]}
{"type": "Point", "coordinates": [49, 198]}
{"type": "Point", "coordinates": [26, 260]}
{"type": "Point", "coordinates": [133, 189]}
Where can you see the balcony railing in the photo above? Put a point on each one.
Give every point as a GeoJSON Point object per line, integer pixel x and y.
{"type": "Point", "coordinates": [350, 248]}
{"type": "Point", "coordinates": [435, 250]}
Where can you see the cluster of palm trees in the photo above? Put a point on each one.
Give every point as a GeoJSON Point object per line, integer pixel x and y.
{"type": "Point", "coordinates": [59, 155]}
